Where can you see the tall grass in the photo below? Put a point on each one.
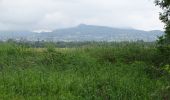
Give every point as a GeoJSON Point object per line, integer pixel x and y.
{"type": "Point", "coordinates": [121, 72]}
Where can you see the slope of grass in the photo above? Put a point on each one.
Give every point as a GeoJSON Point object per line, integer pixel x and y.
{"type": "Point", "coordinates": [86, 73]}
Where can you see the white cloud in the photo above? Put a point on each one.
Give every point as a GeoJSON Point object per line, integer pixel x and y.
{"type": "Point", "coordinates": [53, 14]}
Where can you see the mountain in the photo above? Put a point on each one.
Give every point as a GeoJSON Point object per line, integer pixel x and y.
{"type": "Point", "coordinates": [17, 35]}
{"type": "Point", "coordinates": [84, 32]}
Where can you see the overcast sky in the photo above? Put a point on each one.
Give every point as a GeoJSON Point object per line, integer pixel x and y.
{"type": "Point", "coordinates": [53, 14]}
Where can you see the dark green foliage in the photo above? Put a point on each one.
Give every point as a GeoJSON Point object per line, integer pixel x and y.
{"type": "Point", "coordinates": [164, 41]}
{"type": "Point", "coordinates": [52, 57]}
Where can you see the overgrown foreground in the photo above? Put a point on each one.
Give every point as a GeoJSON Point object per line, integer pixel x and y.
{"type": "Point", "coordinates": [124, 72]}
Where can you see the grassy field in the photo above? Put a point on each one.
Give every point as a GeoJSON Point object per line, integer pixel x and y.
{"type": "Point", "coordinates": [121, 72]}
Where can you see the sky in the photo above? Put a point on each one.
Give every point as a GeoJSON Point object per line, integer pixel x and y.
{"type": "Point", "coordinates": [47, 15]}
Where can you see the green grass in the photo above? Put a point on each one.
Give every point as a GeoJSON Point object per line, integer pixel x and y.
{"type": "Point", "coordinates": [84, 73]}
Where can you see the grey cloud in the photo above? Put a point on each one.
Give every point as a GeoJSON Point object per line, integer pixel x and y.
{"type": "Point", "coordinates": [52, 14]}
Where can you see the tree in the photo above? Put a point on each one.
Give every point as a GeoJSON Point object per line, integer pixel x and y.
{"type": "Point", "coordinates": [164, 41]}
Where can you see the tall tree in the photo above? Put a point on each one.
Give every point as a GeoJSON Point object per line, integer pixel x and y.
{"type": "Point", "coordinates": [164, 41]}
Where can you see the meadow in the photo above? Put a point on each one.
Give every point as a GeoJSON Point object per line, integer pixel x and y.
{"type": "Point", "coordinates": [108, 71]}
